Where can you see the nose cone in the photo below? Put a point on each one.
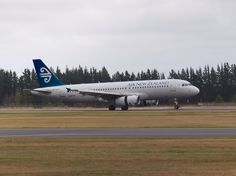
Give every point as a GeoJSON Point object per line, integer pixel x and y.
{"type": "Point", "coordinates": [195, 91]}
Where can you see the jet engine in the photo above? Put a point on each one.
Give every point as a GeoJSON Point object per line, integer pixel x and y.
{"type": "Point", "coordinates": [128, 100]}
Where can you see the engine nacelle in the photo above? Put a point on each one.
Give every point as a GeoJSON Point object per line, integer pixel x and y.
{"type": "Point", "coordinates": [127, 100]}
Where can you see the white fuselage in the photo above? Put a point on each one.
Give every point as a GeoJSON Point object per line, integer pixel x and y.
{"type": "Point", "coordinates": [145, 90]}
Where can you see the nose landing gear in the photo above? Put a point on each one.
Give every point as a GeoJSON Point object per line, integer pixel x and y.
{"type": "Point", "coordinates": [176, 104]}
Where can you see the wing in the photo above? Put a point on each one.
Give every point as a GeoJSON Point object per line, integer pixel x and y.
{"type": "Point", "coordinates": [103, 94]}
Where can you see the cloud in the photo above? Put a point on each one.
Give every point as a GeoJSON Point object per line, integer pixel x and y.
{"type": "Point", "coordinates": [119, 34]}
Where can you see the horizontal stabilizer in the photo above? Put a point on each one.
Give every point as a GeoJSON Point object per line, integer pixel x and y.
{"type": "Point", "coordinates": [35, 91]}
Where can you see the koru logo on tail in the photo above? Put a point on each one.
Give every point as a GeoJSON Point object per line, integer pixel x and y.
{"type": "Point", "coordinates": [45, 74]}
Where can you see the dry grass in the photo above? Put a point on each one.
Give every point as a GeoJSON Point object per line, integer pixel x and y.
{"type": "Point", "coordinates": [112, 157]}
{"type": "Point", "coordinates": [108, 157]}
{"type": "Point", "coordinates": [132, 119]}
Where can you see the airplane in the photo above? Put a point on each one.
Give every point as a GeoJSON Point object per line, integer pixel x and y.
{"type": "Point", "coordinates": [114, 94]}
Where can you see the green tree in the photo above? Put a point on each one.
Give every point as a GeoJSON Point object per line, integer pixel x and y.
{"type": "Point", "coordinates": [104, 75]}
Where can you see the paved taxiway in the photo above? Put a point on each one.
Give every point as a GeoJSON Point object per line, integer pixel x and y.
{"type": "Point", "coordinates": [121, 132]}
{"type": "Point", "coordinates": [209, 109]}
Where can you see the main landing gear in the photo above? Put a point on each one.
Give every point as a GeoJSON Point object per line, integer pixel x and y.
{"type": "Point", "coordinates": [124, 108]}
{"type": "Point", "coordinates": [113, 108]}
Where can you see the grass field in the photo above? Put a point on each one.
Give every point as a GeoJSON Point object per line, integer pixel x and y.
{"type": "Point", "coordinates": [116, 156]}
{"type": "Point", "coordinates": [109, 157]}
{"type": "Point", "coordinates": [12, 118]}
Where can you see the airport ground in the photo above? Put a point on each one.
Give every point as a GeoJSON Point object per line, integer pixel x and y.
{"type": "Point", "coordinates": [159, 117]}
{"type": "Point", "coordinates": [112, 157]}
{"type": "Point", "coordinates": [98, 155]}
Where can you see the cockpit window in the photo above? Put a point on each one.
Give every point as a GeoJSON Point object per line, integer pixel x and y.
{"type": "Point", "coordinates": [185, 85]}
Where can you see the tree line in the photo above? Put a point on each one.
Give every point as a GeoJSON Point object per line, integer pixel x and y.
{"type": "Point", "coordinates": [215, 84]}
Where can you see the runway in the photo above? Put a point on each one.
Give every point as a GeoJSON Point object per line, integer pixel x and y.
{"type": "Point", "coordinates": [210, 109]}
{"type": "Point", "coordinates": [119, 132]}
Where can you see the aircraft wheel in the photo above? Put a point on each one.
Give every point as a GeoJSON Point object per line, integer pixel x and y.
{"type": "Point", "coordinates": [124, 108]}
{"type": "Point", "coordinates": [177, 106]}
{"type": "Point", "coordinates": [112, 108]}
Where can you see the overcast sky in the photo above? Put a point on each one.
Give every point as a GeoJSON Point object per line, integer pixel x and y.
{"type": "Point", "coordinates": [119, 34]}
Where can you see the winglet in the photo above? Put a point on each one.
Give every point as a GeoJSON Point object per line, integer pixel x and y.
{"type": "Point", "coordinates": [46, 78]}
